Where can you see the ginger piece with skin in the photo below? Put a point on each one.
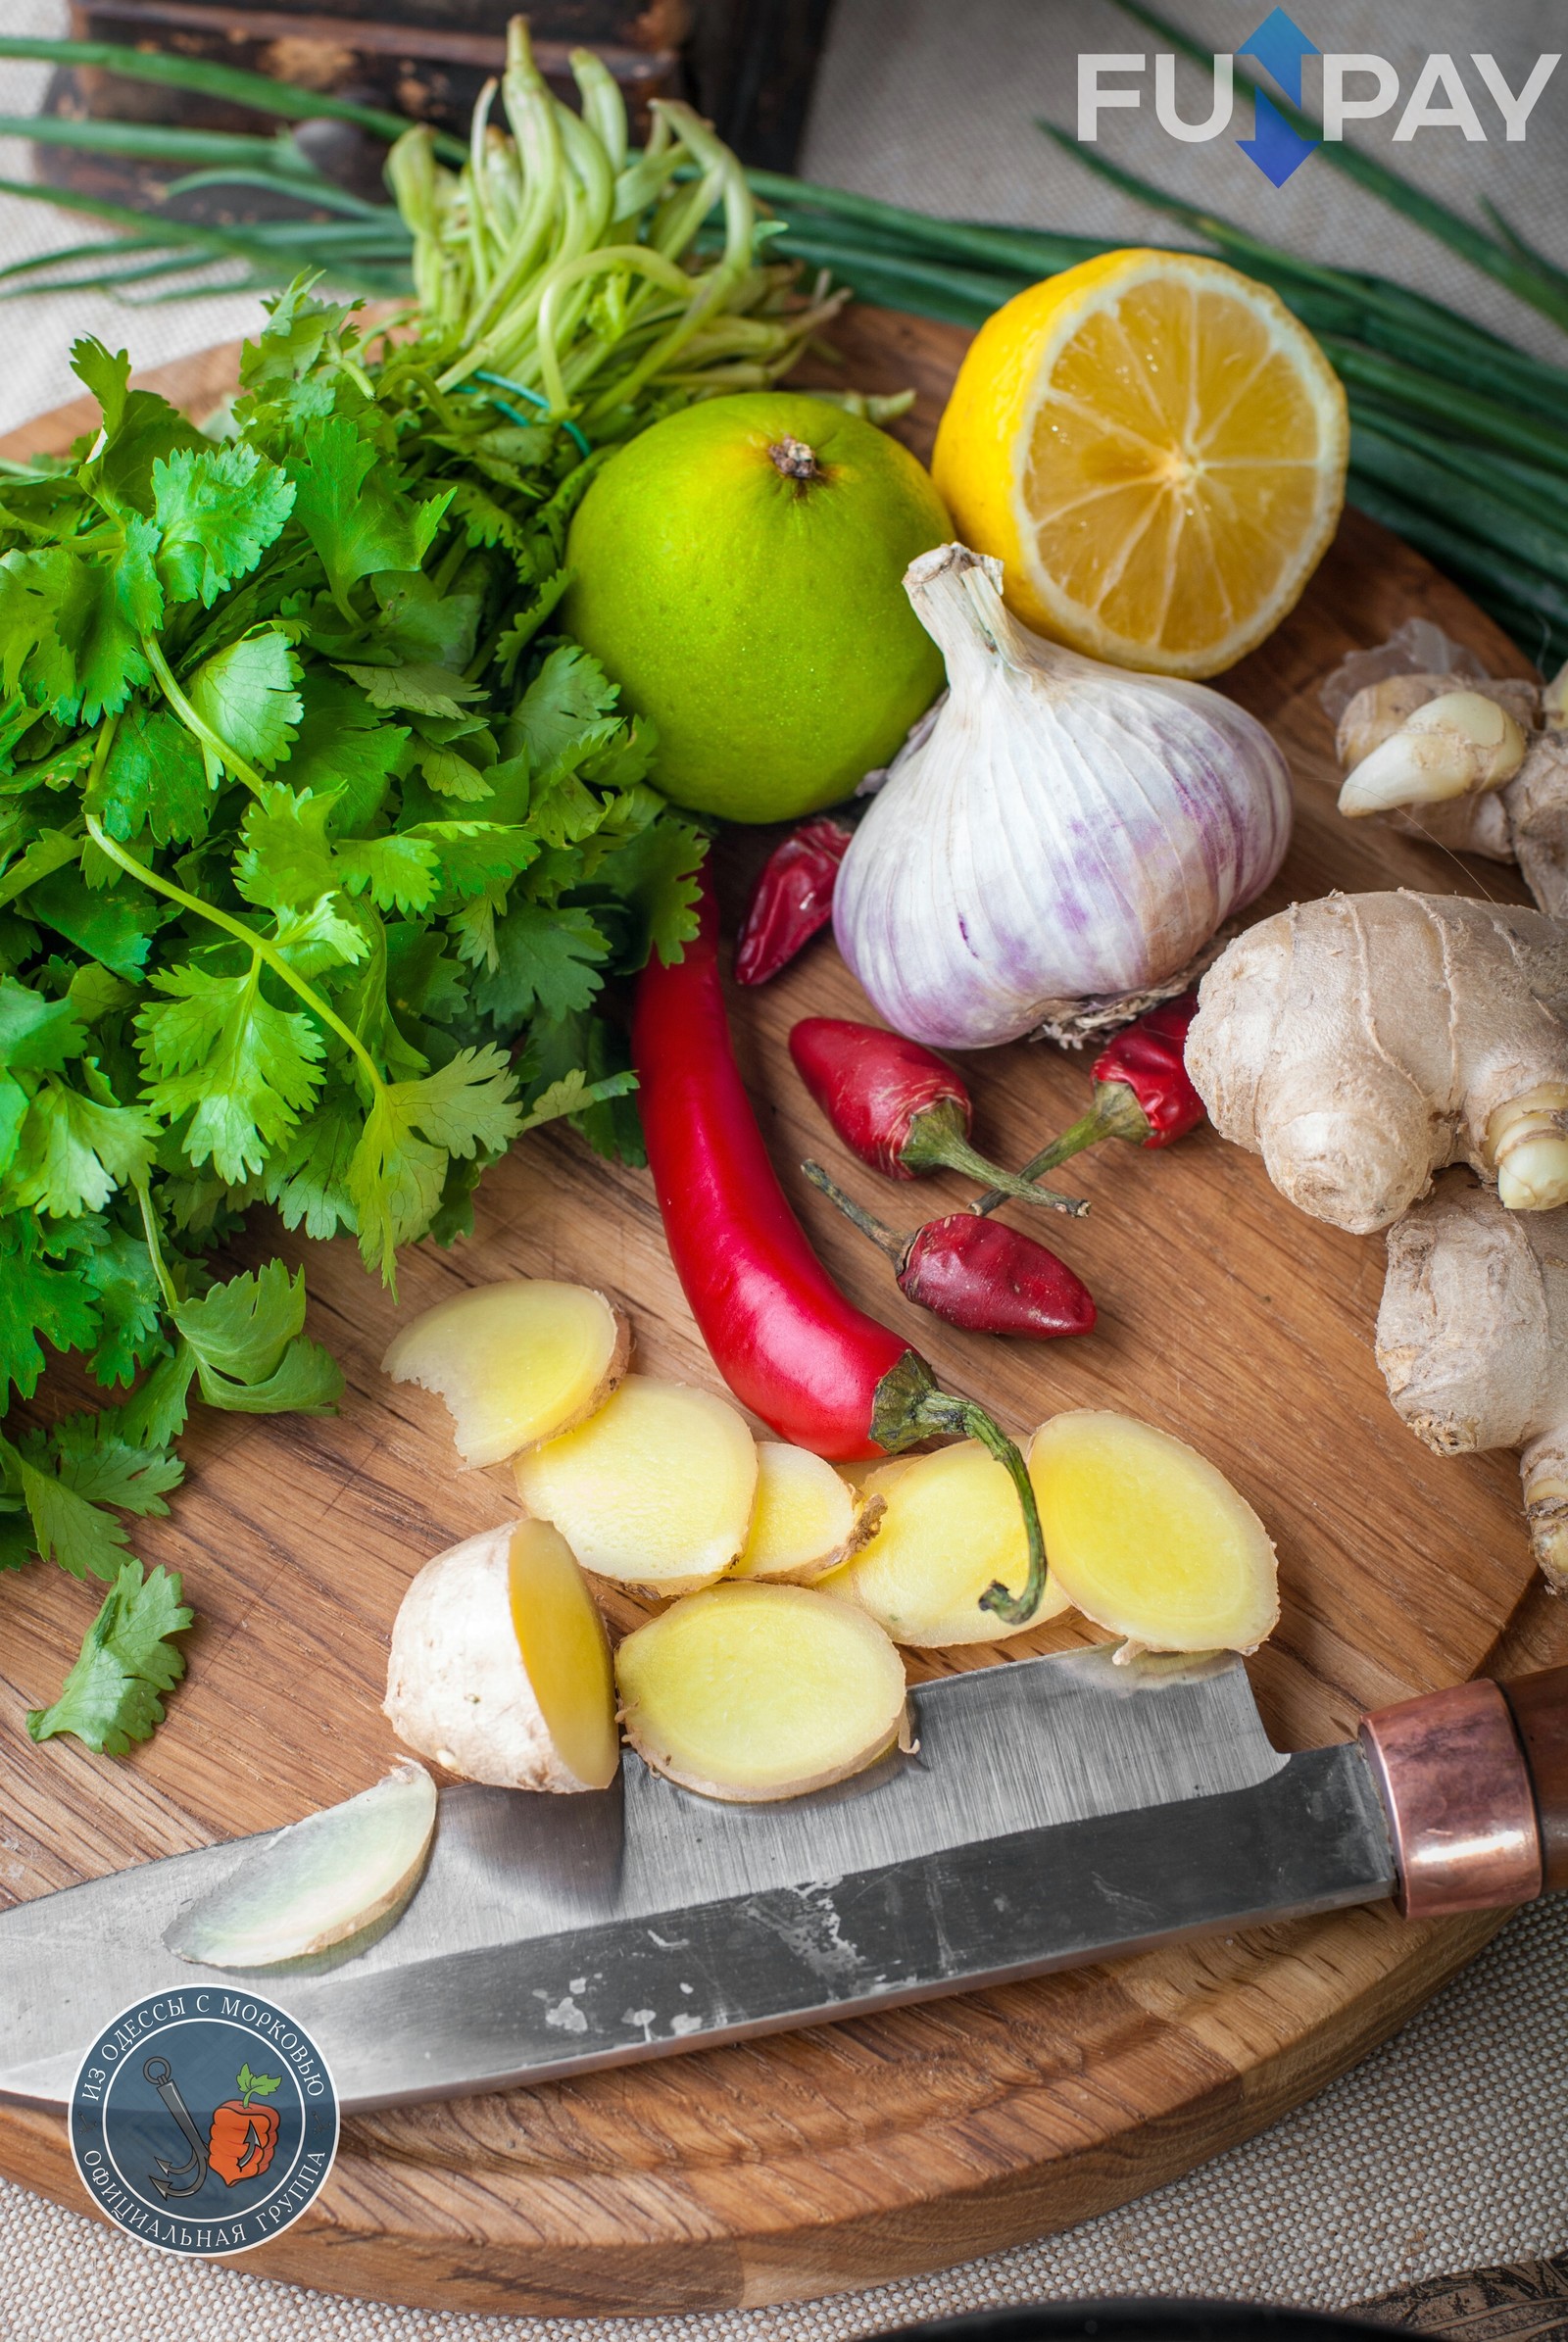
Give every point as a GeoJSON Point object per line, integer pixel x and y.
{"type": "Point", "coordinates": [1509, 801]}
{"type": "Point", "coordinates": [1472, 1339]}
{"type": "Point", "coordinates": [1363, 1043]}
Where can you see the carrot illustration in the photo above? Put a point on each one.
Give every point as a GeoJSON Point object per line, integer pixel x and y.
{"type": "Point", "coordinates": [243, 2134]}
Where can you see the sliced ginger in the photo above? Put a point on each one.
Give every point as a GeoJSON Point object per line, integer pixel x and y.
{"type": "Point", "coordinates": [517, 1362]}
{"type": "Point", "coordinates": [656, 1490]}
{"type": "Point", "coordinates": [806, 1518]}
{"type": "Point", "coordinates": [1148, 1538]}
{"type": "Point", "coordinates": [752, 1692]}
{"type": "Point", "coordinates": [500, 1666]}
{"type": "Point", "coordinates": [951, 1530]}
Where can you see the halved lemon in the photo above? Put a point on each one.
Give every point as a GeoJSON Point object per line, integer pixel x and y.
{"type": "Point", "coordinates": [1155, 451]}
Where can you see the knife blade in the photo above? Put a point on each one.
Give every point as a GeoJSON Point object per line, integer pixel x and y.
{"type": "Point", "coordinates": [1058, 1810]}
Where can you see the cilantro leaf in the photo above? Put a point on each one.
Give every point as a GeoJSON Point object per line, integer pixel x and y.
{"type": "Point", "coordinates": [130, 1305]}
{"type": "Point", "coordinates": [398, 872]}
{"type": "Point", "coordinates": [286, 857]}
{"type": "Point", "coordinates": [43, 1298]}
{"type": "Point", "coordinates": [65, 636]}
{"type": "Point", "coordinates": [154, 779]}
{"type": "Point", "coordinates": [399, 1168]}
{"type": "Point", "coordinates": [251, 1355]}
{"type": "Point", "coordinates": [545, 958]}
{"type": "Point", "coordinates": [113, 924]}
{"type": "Point", "coordinates": [219, 1051]}
{"type": "Point", "coordinates": [74, 1150]}
{"type": "Point", "coordinates": [416, 684]}
{"type": "Point", "coordinates": [246, 695]}
{"type": "Point", "coordinates": [68, 1476]}
{"type": "Point", "coordinates": [574, 1093]}
{"type": "Point", "coordinates": [217, 511]}
{"type": "Point", "coordinates": [35, 1031]}
{"type": "Point", "coordinates": [566, 700]}
{"type": "Point", "coordinates": [110, 1698]}
{"type": "Point", "coordinates": [657, 872]}
{"type": "Point", "coordinates": [355, 510]}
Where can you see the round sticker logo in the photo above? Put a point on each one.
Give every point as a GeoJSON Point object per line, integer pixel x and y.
{"type": "Point", "coordinates": [203, 2122]}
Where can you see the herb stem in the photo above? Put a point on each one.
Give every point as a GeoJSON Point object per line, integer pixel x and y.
{"type": "Point", "coordinates": [267, 953]}
{"type": "Point", "coordinates": [210, 740]}
{"type": "Point", "coordinates": [154, 1249]}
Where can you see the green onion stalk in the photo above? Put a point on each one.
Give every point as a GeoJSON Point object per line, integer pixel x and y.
{"type": "Point", "coordinates": [561, 271]}
{"type": "Point", "coordinates": [560, 267]}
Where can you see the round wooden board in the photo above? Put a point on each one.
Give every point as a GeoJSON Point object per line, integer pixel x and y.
{"type": "Point", "coordinates": [850, 2154]}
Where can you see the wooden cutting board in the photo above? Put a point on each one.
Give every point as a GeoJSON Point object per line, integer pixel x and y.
{"type": "Point", "coordinates": [850, 2154]}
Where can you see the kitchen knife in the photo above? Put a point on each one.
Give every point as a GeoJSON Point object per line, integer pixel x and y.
{"type": "Point", "coordinates": [1057, 1811]}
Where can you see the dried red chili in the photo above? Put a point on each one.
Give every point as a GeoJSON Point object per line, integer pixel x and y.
{"type": "Point", "coordinates": [792, 899]}
{"type": "Point", "coordinates": [900, 1107]}
{"type": "Point", "coordinates": [1143, 1092]}
{"type": "Point", "coordinates": [976, 1273]}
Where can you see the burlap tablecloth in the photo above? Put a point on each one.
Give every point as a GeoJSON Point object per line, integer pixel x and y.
{"type": "Point", "coordinates": [1449, 2147]}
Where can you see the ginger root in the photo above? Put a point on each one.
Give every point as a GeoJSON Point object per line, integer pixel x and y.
{"type": "Point", "coordinates": [499, 1667]}
{"type": "Point", "coordinates": [1421, 755]}
{"type": "Point", "coordinates": [1472, 1339]}
{"type": "Point", "coordinates": [1147, 1536]}
{"type": "Point", "coordinates": [1363, 1043]}
{"type": "Point", "coordinates": [752, 1691]}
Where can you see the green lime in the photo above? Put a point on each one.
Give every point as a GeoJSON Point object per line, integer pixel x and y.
{"type": "Point", "coordinates": [737, 570]}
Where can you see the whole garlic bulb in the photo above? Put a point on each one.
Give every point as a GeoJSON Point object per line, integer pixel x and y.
{"type": "Point", "coordinates": [1064, 829]}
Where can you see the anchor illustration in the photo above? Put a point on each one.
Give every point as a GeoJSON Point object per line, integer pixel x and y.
{"type": "Point", "coordinates": [160, 2074]}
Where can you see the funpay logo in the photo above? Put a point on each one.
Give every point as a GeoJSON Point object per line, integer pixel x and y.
{"type": "Point", "coordinates": [1357, 86]}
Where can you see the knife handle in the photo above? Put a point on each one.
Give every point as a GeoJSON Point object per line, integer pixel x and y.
{"type": "Point", "coordinates": [1474, 1780]}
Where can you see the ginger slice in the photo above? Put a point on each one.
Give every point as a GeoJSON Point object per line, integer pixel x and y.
{"type": "Point", "coordinates": [517, 1362]}
{"type": "Point", "coordinates": [1148, 1538]}
{"type": "Point", "coordinates": [319, 1882]}
{"type": "Point", "coordinates": [807, 1517]}
{"type": "Point", "coordinates": [752, 1691]}
{"type": "Point", "coordinates": [500, 1666]}
{"type": "Point", "coordinates": [951, 1529]}
{"type": "Point", "coordinates": [656, 1490]}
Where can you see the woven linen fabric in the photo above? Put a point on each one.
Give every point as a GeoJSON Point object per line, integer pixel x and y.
{"type": "Point", "coordinates": [1444, 2148]}
{"type": "Point", "coordinates": [1449, 2147]}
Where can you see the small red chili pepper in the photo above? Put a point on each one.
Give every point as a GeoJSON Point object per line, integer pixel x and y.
{"type": "Point", "coordinates": [898, 1107]}
{"type": "Point", "coordinates": [792, 899]}
{"type": "Point", "coordinates": [977, 1274]}
{"type": "Point", "coordinates": [790, 1344]}
{"type": "Point", "coordinates": [1142, 1093]}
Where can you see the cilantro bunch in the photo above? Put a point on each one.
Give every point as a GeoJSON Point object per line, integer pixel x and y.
{"type": "Point", "coordinates": [316, 850]}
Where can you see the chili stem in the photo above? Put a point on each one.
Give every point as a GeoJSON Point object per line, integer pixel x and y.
{"type": "Point", "coordinates": [910, 1408]}
{"type": "Point", "coordinates": [880, 1234]}
{"type": "Point", "coordinates": [936, 1141]}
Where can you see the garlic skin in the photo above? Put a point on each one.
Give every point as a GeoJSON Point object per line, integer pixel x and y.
{"type": "Point", "coordinates": [1064, 829]}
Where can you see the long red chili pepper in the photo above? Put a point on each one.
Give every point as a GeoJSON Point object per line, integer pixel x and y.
{"type": "Point", "coordinates": [792, 899]}
{"type": "Point", "coordinates": [788, 1343]}
{"type": "Point", "coordinates": [1142, 1093]}
{"type": "Point", "coordinates": [900, 1109]}
{"type": "Point", "coordinates": [975, 1273]}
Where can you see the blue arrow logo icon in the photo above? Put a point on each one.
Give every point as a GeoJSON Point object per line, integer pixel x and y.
{"type": "Point", "coordinates": [1276, 146]}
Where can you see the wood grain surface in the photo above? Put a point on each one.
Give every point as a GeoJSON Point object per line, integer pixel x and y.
{"type": "Point", "coordinates": [847, 2154]}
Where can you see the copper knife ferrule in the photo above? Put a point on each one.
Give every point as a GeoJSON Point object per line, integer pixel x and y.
{"type": "Point", "coordinates": [1458, 1796]}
